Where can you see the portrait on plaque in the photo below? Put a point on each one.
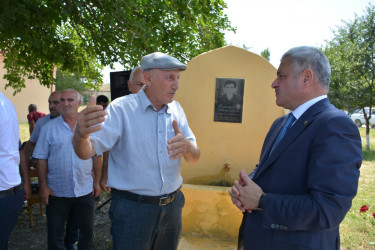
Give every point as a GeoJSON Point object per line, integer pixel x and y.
{"type": "Point", "coordinates": [229, 100]}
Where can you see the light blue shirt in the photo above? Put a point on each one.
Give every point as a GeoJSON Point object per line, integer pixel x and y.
{"type": "Point", "coordinates": [38, 125]}
{"type": "Point", "coordinates": [68, 175]}
{"type": "Point", "coordinates": [136, 135]}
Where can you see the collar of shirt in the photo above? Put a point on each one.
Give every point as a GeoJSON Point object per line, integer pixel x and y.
{"type": "Point", "coordinates": [68, 175]}
{"type": "Point", "coordinates": [145, 102]}
{"type": "Point", "coordinates": [298, 112]}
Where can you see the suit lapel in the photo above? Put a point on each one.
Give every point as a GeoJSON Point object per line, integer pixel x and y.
{"type": "Point", "coordinates": [271, 139]}
{"type": "Point", "coordinates": [300, 125]}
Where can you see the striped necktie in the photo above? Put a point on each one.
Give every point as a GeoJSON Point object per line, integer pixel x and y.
{"type": "Point", "coordinates": [287, 125]}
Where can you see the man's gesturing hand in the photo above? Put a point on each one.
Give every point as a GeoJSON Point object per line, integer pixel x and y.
{"type": "Point", "coordinates": [178, 146]}
{"type": "Point", "coordinates": [87, 123]}
{"type": "Point", "coordinates": [88, 118]}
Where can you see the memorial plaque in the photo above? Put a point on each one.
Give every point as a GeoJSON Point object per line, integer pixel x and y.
{"type": "Point", "coordinates": [229, 100]}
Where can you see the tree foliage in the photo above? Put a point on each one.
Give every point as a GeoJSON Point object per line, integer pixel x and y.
{"type": "Point", "coordinates": [266, 54]}
{"type": "Point", "coordinates": [79, 35]}
{"type": "Point", "coordinates": [67, 80]}
{"type": "Point", "coordinates": [352, 57]}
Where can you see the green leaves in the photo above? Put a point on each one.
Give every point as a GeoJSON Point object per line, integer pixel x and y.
{"type": "Point", "coordinates": [352, 57]}
{"type": "Point", "coordinates": [266, 54]}
{"type": "Point", "coordinates": [78, 36]}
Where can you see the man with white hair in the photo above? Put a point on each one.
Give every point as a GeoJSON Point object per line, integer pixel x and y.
{"type": "Point", "coordinates": [55, 110]}
{"type": "Point", "coordinates": [136, 80]}
{"type": "Point", "coordinates": [66, 182]}
{"type": "Point", "coordinates": [147, 134]}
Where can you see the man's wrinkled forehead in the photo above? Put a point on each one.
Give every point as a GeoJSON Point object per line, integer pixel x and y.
{"type": "Point", "coordinates": [69, 95]}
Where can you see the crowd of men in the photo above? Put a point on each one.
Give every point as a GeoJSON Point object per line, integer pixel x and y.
{"type": "Point", "coordinates": [295, 198]}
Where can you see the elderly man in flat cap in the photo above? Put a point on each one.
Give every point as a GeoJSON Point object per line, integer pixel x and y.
{"type": "Point", "coordinates": [147, 134]}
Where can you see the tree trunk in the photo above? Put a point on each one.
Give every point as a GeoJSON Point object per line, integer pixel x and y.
{"type": "Point", "coordinates": [367, 135]}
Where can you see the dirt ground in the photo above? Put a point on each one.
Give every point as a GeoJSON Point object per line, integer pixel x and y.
{"type": "Point", "coordinates": [24, 237]}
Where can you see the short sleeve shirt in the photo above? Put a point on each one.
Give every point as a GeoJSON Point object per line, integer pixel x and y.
{"type": "Point", "coordinates": [68, 175]}
{"type": "Point", "coordinates": [136, 135]}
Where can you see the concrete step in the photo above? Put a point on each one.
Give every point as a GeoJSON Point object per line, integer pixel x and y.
{"type": "Point", "coordinates": [205, 243]}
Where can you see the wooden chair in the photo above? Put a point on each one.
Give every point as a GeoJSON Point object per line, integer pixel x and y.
{"type": "Point", "coordinates": [34, 199]}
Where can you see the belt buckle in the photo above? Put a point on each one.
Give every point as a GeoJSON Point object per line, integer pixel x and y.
{"type": "Point", "coordinates": [164, 201]}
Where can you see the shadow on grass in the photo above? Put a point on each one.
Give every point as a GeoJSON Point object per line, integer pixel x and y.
{"type": "Point", "coordinates": [368, 155]}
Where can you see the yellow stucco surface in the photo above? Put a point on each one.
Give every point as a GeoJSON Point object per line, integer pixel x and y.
{"type": "Point", "coordinates": [32, 93]}
{"type": "Point", "coordinates": [235, 144]}
{"type": "Point", "coordinates": [209, 211]}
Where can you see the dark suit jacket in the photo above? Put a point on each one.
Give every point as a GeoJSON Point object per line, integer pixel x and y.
{"type": "Point", "coordinates": [310, 179]}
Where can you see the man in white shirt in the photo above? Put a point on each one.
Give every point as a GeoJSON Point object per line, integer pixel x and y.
{"type": "Point", "coordinates": [11, 190]}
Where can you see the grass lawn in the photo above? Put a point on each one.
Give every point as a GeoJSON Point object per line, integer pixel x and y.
{"type": "Point", "coordinates": [24, 128]}
{"type": "Point", "coordinates": [24, 131]}
{"type": "Point", "coordinates": [357, 229]}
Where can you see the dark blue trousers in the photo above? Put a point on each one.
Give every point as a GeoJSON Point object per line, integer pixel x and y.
{"type": "Point", "coordinates": [58, 212]}
{"type": "Point", "coordinates": [10, 208]}
{"type": "Point", "coordinates": [141, 226]}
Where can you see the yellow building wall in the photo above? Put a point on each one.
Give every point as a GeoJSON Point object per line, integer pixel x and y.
{"type": "Point", "coordinates": [235, 144]}
{"type": "Point", "coordinates": [32, 93]}
{"type": "Point", "coordinates": [209, 212]}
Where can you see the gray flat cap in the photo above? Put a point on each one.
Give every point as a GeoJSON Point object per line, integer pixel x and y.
{"type": "Point", "coordinates": [161, 61]}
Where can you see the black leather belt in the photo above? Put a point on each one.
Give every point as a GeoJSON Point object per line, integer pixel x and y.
{"type": "Point", "coordinates": [156, 200]}
{"type": "Point", "coordinates": [10, 191]}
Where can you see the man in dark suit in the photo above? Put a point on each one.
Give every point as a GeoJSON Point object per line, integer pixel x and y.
{"type": "Point", "coordinates": [307, 176]}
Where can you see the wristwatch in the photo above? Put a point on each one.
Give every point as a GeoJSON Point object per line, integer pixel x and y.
{"type": "Point", "coordinates": [260, 205]}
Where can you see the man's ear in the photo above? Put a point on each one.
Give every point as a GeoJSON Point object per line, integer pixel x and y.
{"type": "Point", "coordinates": [129, 86]}
{"type": "Point", "coordinates": [308, 77]}
{"type": "Point", "coordinates": [147, 75]}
